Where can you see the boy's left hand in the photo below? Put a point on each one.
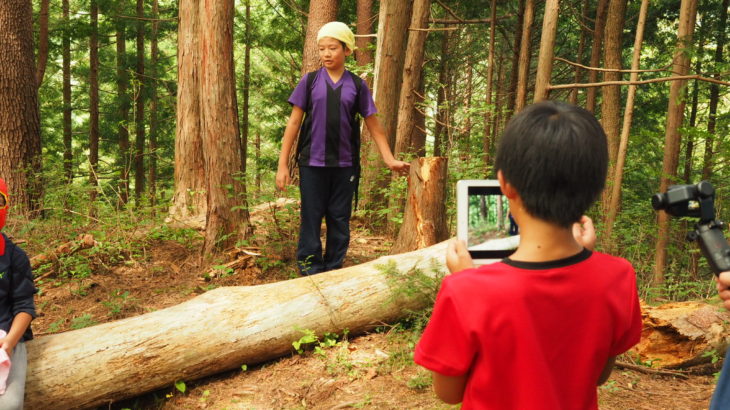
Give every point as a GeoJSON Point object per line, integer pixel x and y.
{"type": "Point", "coordinates": [8, 345]}
{"type": "Point", "coordinates": [399, 167]}
{"type": "Point", "coordinates": [585, 233]}
{"type": "Point", "coordinates": [457, 256]}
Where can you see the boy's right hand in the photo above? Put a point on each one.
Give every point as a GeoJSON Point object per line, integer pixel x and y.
{"type": "Point", "coordinates": [457, 256]}
{"type": "Point", "coordinates": [282, 177]}
{"type": "Point", "coordinates": [723, 288]}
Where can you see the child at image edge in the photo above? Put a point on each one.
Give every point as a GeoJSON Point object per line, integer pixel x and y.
{"type": "Point", "coordinates": [328, 149]}
{"type": "Point", "coordinates": [16, 310]}
{"type": "Point", "coordinates": [541, 328]}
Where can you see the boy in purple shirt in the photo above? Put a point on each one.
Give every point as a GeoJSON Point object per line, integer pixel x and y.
{"type": "Point", "coordinates": [328, 149]}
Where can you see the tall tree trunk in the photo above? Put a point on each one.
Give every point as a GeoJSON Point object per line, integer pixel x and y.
{"type": "Point", "coordinates": [395, 16]}
{"type": "Point", "coordinates": [42, 43]}
{"type": "Point", "coordinates": [123, 105]}
{"type": "Point", "coordinates": [547, 50]}
{"type": "Point", "coordinates": [612, 209]}
{"type": "Point", "coordinates": [611, 103]}
{"type": "Point", "coordinates": [675, 115]}
{"type": "Point", "coordinates": [221, 139]}
{"type": "Point", "coordinates": [523, 68]}
{"type": "Point", "coordinates": [412, 74]}
{"type": "Point", "coordinates": [689, 147]}
{"type": "Point", "coordinates": [441, 109]}
{"type": "Point", "coordinates": [320, 13]}
{"type": "Point", "coordinates": [596, 46]}
{"type": "Point", "coordinates": [67, 108]}
{"type": "Point", "coordinates": [139, 140]}
{"type": "Point", "coordinates": [94, 102]}
{"type": "Point", "coordinates": [189, 200]}
{"type": "Point", "coordinates": [154, 57]}
{"type": "Point", "coordinates": [245, 125]}
{"type": "Point", "coordinates": [489, 112]}
{"type": "Point", "coordinates": [516, 52]}
{"type": "Point", "coordinates": [19, 117]}
{"type": "Point", "coordinates": [573, 99]}
{"type": "Point", "coordinates": [257, 157]}
{"type": "Point", "coordinates": [364, 26]}
{"type": "Point", "coordinates": [714, 94]}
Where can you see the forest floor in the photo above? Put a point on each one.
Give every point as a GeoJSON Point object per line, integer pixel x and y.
{"type": "Point", "coordinates": [366, 371]}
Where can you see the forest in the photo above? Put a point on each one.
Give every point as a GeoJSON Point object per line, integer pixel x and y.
{"type": "Point", "coordinates": [152, 131]}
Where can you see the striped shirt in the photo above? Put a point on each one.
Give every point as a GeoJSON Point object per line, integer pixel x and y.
{"type": "Point", "coordinates": [330, 133]}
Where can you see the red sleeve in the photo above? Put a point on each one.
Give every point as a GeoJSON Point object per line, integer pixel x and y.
{"type": "Point", "coordinates": [632, 333]}
{"type": "Point", "coordinates": [446, 346]}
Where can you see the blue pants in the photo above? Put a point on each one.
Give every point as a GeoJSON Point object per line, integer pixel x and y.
{"type": "Point", "coordinates": [326, 193]}
{"type": "Point", "coordinates": [721, 397]}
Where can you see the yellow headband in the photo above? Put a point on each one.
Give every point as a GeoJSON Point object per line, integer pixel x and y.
{"type": "Point", "coordinates": [338, 31]}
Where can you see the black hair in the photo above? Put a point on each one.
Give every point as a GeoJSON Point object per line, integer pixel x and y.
{"type": "Point", "coordinates": [555, 155]}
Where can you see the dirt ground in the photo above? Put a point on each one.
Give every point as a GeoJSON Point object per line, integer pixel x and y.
{"type": "Point", "coordinates": [368, 371]}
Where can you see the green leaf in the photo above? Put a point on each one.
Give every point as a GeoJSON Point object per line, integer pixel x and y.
{"type": "Point", "coordinates": [180, 385]}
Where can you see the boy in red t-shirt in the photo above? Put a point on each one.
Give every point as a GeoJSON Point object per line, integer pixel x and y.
{"type": "Point", "coordinates": [540, 329]}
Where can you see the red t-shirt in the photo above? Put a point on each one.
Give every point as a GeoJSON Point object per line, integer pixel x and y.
{"type": "Point", "coordinates": [533, 335]}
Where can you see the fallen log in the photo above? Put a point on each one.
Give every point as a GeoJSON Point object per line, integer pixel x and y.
{"type": "Point", "coordinates": [68, 248]}
{"type": "Point", "coordinates": [217, 331]}
{"type": "Point", "coordinates": [682, 334]}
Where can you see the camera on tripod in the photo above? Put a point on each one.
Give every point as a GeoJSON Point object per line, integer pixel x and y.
{"type": "Point", "coordinates": [698, 201]}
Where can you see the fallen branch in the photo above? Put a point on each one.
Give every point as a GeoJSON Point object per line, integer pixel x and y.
{"type": "Point", "coordinates": [68, 248]}
{"type": "Point", "coordinates": [649, 370]}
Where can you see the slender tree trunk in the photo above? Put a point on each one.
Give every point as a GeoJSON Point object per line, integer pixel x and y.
{"type": "Point", "coordinates": [547, 50]}
{"type": "Point", "coordinates": [42, 42]}
{"type": "Point", "coordinates": [67, 107]}
{"type": "Point", "coordinates": [364, 26]}
{"type": "Point", "coordinates": [412, 74]}
{"type": "Point", "coordinates": [19, 118]}
{"type": "Point", "coordinates": [689, 148]}
{"type": "Point", "coordinates": [573, 99]}
{"type": "Point", "coordinates": [395, 16]}
{"type": "Point", "coordinates": [245, 125]}
{"type": "Point", "coordinates": [221, 139]}
{"type": "Point", "coordinates": [441, 109]}
{"type": "Point", "coordinates": [675, 115]}
{"type": "Point", "coordinates": [94, 102]}
{"type": "Point", "coordinates": [611, 103]}
{"type": "Point", "coordinates": [516, 52]}
{"type": "Point", "coordinates": [123, 106]}
{"type": "Point", "coordinates": [523, 68]}
{"type": "Point", "coordinates": [596, 45]}
{"type": "Point", "coordinates": [489, 112]}
{"type": "Point", "coordinates": [139, 109]}
{"type": "Point", "coordinates": [154, 57]}
{"type": "Point", "coordinates": [257, 154]}
{"type": "Point", "coordinates": [189, 200]}
{"type": "Point", "coordinates": [715, 94]}
{"type": "Point", "coordinates": [612, 209]}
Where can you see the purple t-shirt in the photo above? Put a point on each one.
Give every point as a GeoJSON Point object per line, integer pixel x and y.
{"type": "Point", "coordinates": [329, 129]}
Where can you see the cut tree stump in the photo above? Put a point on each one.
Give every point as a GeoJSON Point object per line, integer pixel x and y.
{"type": "Point", "coordinates": [682, 334]}
{"type": "Point", "coordinates": [217, 331]}
{"type": "Point", "coordinates": [424, 221]}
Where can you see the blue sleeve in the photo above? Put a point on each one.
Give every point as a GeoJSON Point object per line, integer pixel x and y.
{"type": "Point", "coordinates": [22, 282]}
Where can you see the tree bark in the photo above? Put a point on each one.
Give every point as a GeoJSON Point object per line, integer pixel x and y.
{"type": "Point", "coordinates": [395, 15]}
{"type": "Point", "coordinates": [42, 59]}
{"type": "Point", "coordinates": [611, 103]}
{"type": "Point", "coordinates": [189, 200]}
{"type": "Point", "coordinates": [19, 120]}
{"type": "Point", "coordinates": [442, 119]}
{"type": "Point", "coordinates": [67, 107]}
{"type": "Point", "coordinates": [222, 329]}
{"type": "Point", "coordinates": [123, 102]}
{"type": "Point", "coordinates": [596, 45]}
{"type": "Point", "coordinates": [220, 130]}
{"type": "Point", "coordinates": [488, 114]}
{"type": "Point", "coordinates": [714, 94]}
{"type": "Point", "coordinates": [523, 69]}
{"type": "Point", "coordinates": [364, 26]}
{"type": "Point", "coordinates": [424, 219]}
{"type": "Point", "coordinates": [516, 52]}
{"type": "Point", "coordinates": [412, 74]}
{"type": "Point", "coordinates": [547, 50]}
{"type": "Point", "coordinates": [573, 99]}
{"type": "Point", "coordinates": [675, 115]}
{"type": "Point", "coordinates": [154, 57]}
{"type": "Point", "coordinates": [94, 103]}
{"type": "Point", "coordinates": [612, 209]}
{"type": "Point", "coordinates": [139, 141]}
